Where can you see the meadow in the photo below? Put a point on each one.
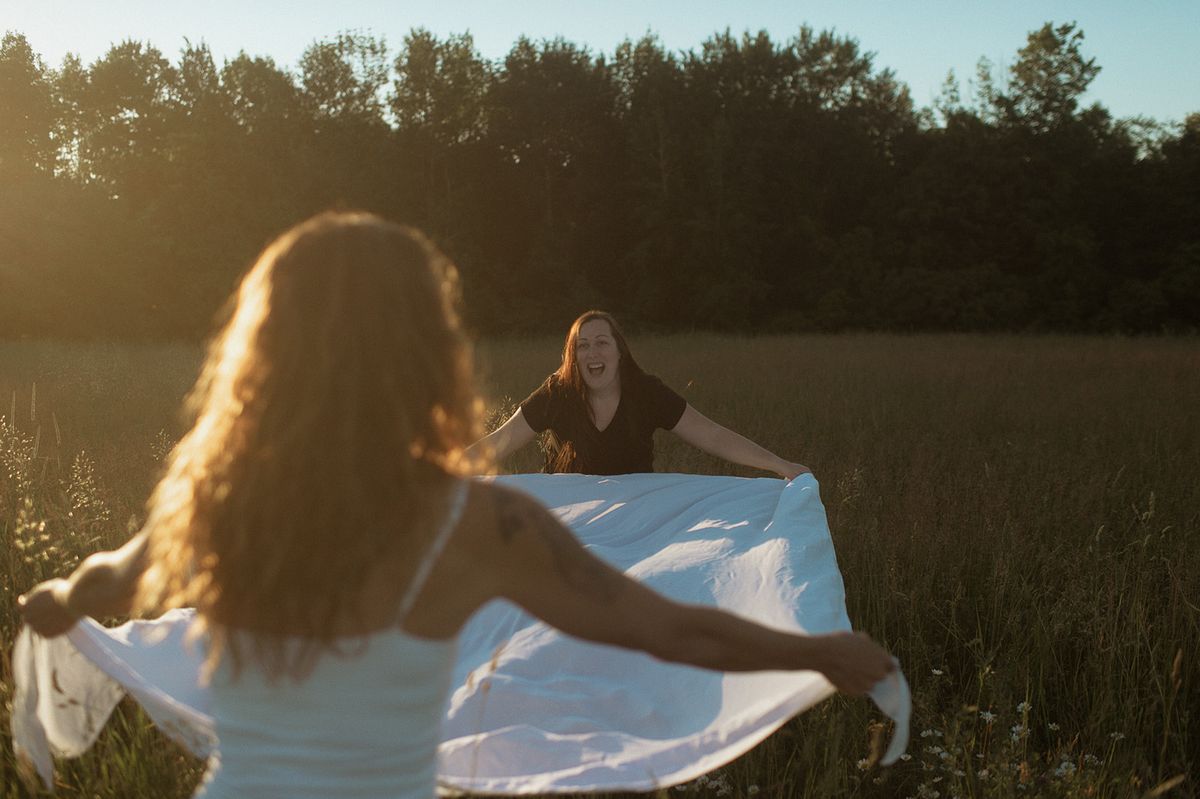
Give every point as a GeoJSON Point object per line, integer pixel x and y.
{"type": "Point", "coordinates": [1017, 518]}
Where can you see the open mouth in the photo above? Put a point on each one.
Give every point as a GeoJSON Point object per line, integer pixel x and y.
{"type": "Point", "coordinates": [595, 369]}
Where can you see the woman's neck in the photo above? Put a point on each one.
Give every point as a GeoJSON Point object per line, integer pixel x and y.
{"type": "Point", "coordinates": [609, 393]}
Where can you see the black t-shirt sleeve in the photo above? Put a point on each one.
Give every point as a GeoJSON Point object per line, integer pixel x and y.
{"type": "Point", "coordinates": [537, 408]}
{"type": "Point", "coordinates": [665, 407]}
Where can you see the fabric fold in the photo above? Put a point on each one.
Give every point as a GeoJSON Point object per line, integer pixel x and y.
{"type": "Point", "coordinates": [532, 710]}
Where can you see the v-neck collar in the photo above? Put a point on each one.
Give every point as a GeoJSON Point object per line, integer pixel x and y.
{"type": "Point", "coordinates": [591, 421]}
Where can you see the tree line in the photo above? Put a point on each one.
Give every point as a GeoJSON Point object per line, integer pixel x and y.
{"type": "Point", "coordinates": [748, 185]}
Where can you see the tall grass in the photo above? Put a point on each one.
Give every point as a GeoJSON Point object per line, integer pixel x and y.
{"type": "Point", "coordinates": [1016, 518]}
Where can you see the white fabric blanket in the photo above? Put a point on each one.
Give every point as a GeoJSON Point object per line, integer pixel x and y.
{"type": "Point", "coordinates": [535, 711]}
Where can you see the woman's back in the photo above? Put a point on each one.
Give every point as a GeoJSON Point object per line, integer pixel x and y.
{"type": "Point", "coordinates": [362, 721]}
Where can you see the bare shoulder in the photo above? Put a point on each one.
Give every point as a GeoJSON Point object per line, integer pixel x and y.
{"type": "Point", "coordinates": [497, 515]}
{"type": "Point", "coordinates": [532, 542]}
{"type": "Point", "coordinates": [476, 565]}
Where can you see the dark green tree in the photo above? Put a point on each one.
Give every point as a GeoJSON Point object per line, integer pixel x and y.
{"type": "Point", "coordinates": [438, 105]}
{"type": "Point", "coordinates": [552, 124]}
{"type": "Point", "coordinates": [1048, 78]}
{"type": "Point", "coordinates": [27, 113]}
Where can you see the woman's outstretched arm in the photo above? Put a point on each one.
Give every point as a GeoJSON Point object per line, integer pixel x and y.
{"type": "Point", "coordinates": [539, 565]}
{"type": "Point", "coordinates": [505, 439]}
{"type": "Point", "coordinates": [703, 433]}
{"type": "Point", "coordinates": [103, 585]}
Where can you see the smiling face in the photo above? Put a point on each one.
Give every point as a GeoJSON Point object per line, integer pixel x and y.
{"type": "Point", "coordinates": [597, 356]}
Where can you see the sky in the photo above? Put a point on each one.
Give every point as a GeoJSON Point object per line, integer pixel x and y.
{"type": "Point", "coordinates": [1147, 51]}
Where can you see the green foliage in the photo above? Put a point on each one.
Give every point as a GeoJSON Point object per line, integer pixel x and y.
{"type": "Point", "coordinates": [746, 185]}
{"type": "Point", "coordinates": [26, 111]}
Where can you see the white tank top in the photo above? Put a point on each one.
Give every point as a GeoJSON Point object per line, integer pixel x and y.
{"type": "Point", "coordinates": [363, 724]}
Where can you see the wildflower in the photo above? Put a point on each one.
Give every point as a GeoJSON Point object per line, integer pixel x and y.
{"type": "Point", "coordinates": [937, 672]}
{"type": "Point", "coordinates": [984, 774]}
{"type": "Point", "coordinates": [905, 756]}
{"type": "Point", "coordinates": [1116, 736]}
{"type": "Point", "coordinates": [1091, 759]}
{"type": "Point", "coordinates": [959, 772]}
{"type": "Point", "coordinates": [1053, 727]}
{"type": "Point", "coordinates": [1024, 708]}
{"type": "Point", "coordinates": [1018, 732]}
{"type": "Point", "coordinates": [926, 733]}
{"type": "Point", "coordinates": [1065, 769]}
{"type": "Point", "coordinates": [863, 764]}
{"type": "Point", "coordinates": [934, 750]}
{"type": "Point", "coordinates": [752, 790]}
{"type": "Point", "coordinates": [987, 716]}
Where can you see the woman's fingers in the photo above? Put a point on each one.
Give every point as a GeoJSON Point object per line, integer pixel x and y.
{"type": "Point", "coordinates": [791, 471]}
{"type": "Point", "coordinates": [43, 612]}
{"type": "Point", "coordinates": [856, 663]}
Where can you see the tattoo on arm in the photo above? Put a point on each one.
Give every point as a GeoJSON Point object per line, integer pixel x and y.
{"type": "Point", "coordinates": [584, 574]}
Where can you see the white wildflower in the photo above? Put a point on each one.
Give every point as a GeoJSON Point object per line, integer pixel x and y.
{"type": "Point", "coordinates": [959, 772]}
{"type": "Point", "coordinates": [937, 672]}
{"type": "Point", "coordinates": [1065, 769]}
{"type": "Point", "coordinates": [1018, 732]}
{"type": "Point", "coordinates": [927, 733]}
{"type": "Point", "coordinates": [984, 774]}
{"type": "Point", "coordinates": [905, 756]}
{"type": "Point", "coordinates": [987, 716]}
{"type": "Point", "coordinates": [1116, 736]}
{"type": "Point", "coordinates": [751, 790]}
{"type": "Point", "coordinates": [1053, 727]}
{"type": "Point", "coordinates": [1024, 707]}
{"type": "Point", "coordinates": [863, 764]}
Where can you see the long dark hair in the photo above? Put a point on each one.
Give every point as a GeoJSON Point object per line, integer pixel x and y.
{"type": "Point", "coordinates": [568, 381]}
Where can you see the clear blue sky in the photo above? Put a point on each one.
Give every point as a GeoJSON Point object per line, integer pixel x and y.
{"type": "Point", "coordinates": [1148, 51]}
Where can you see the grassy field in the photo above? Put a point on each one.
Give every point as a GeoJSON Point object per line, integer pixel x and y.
{"type": "Point", "coordinates": [1016, 518]}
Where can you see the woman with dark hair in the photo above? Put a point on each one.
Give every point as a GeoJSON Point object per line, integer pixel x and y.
{"type": "Point", "coordinates": [601, 410]}
{"type": "Point", "coordinates": [318, 519]}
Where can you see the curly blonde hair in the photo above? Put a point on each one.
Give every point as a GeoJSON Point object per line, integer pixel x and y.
{"type": "Point", "coordinates": [331, 413]}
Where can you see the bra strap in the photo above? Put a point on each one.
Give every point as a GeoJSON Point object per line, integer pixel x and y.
{"type": "Point", "coordinates": [458, 496]}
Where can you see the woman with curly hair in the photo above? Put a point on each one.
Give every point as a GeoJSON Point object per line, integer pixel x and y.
{"type": "Point", "coordinates": [319, 519]}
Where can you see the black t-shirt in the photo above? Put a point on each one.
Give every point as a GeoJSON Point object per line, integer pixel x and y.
{"type": "Point", "coordinates": [626, 446]}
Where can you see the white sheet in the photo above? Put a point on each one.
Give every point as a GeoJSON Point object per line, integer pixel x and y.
{"type": "Point", "coordinates": [535, 711]}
